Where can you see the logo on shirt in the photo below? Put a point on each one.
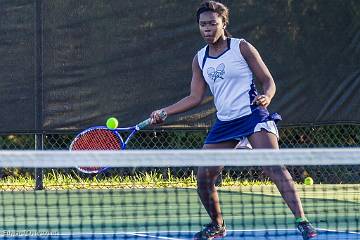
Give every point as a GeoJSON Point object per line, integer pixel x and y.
{"type": "Point", "coordinates": [218, 73]}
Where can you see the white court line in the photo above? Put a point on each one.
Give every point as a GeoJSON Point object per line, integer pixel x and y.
{"type": "Point", "coordinates": [262, 230]}
{"type": "Point", "coordinates": [288, 230]}
{"type": "Point", "coordinates": [339, 231]}
{"type": "Point", "coordinates": [157, 237]}
{"type": "Point", "coordinates": [17, 233]}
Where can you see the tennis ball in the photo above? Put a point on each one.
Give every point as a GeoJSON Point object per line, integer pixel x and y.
{"type": "Point", "coordinates": [112, 123]}
{"type": "Point", "coordinates": [308, 181]}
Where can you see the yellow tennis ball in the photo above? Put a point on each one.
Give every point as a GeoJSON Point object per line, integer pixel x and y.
{"type": "Point", "coordinates": [112, 123]}
{"type": "Point", "coordinates": [308, 181]}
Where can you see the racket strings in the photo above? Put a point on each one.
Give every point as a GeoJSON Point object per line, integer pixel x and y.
{"type": "Point", "coordinates": [96, 139]}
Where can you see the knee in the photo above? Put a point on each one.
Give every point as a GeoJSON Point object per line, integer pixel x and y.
{"type": "Point", "coordinates": [275, 171]}
{"type": "Point", "coordinates": [206, 180]}
{"type": "Point", "coordinates": [205, 186]}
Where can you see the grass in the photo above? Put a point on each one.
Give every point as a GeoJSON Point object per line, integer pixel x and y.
{"type": "Point", "coordinates": [55, 180]}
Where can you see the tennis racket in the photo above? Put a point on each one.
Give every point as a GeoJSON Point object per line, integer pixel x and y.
{"type": "Point", "coordinates": [103, 138]}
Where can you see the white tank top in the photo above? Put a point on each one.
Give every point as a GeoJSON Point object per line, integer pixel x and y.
{"type": "Point", "coordinates": [230, 80]}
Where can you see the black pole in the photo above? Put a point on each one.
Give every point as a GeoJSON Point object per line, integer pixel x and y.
{"type": "Point", "coordinates": [38, 87]}
{"type": "Point", "coordinates": [39, 143]}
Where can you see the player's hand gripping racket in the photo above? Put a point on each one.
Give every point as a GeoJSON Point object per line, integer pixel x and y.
{"type": "Point", "coordinates": [103, 138]}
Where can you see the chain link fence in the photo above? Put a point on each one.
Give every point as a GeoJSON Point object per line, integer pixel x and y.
{"type": "Point", "coordinates": [290, 137]}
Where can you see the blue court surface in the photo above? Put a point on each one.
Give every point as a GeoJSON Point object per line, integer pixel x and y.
{"type": "Point", "coordinates": [232, 235]}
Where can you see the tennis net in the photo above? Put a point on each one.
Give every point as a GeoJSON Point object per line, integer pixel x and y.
{"type": "Point", "coordinates": [153, 194]}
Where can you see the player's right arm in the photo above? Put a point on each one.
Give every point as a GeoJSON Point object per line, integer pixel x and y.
{"type": "Point", "coordinates": [197, 93]}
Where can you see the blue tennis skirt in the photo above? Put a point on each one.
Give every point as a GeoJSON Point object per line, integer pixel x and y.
{"type": "Point", "coordinates": [242, 127]}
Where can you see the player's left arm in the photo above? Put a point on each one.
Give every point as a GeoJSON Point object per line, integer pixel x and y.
{"type": "Point", "coordinates": [261, 73]}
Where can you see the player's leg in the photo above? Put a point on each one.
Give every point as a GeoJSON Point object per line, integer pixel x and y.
{"type": "Point", "coordinates": [278, 174]}
{"type": "Point", "coordinates": [284, 182]}
{"type": "Point", "coordinates": [206, 178]}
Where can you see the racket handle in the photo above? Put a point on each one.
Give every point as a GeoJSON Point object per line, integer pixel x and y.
{"type": "Point", "coordinates": [148, 121]}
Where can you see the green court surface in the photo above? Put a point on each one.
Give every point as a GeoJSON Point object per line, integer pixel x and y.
{"type": "Point", "coordinates": [335, 207]}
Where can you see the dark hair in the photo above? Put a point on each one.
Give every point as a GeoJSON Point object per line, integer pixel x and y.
{"type": "Point", "coordinates": [219, 8]}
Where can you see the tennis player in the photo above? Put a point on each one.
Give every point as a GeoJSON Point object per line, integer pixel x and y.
{"type": "Point", "coordinates": [228, 66]}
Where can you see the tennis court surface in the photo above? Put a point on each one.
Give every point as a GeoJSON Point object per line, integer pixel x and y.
{"type": "Point", "coordinates": [152, 194]}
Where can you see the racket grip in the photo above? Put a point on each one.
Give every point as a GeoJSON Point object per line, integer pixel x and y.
{"type": "Point", "coordinates": [148, 121]}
